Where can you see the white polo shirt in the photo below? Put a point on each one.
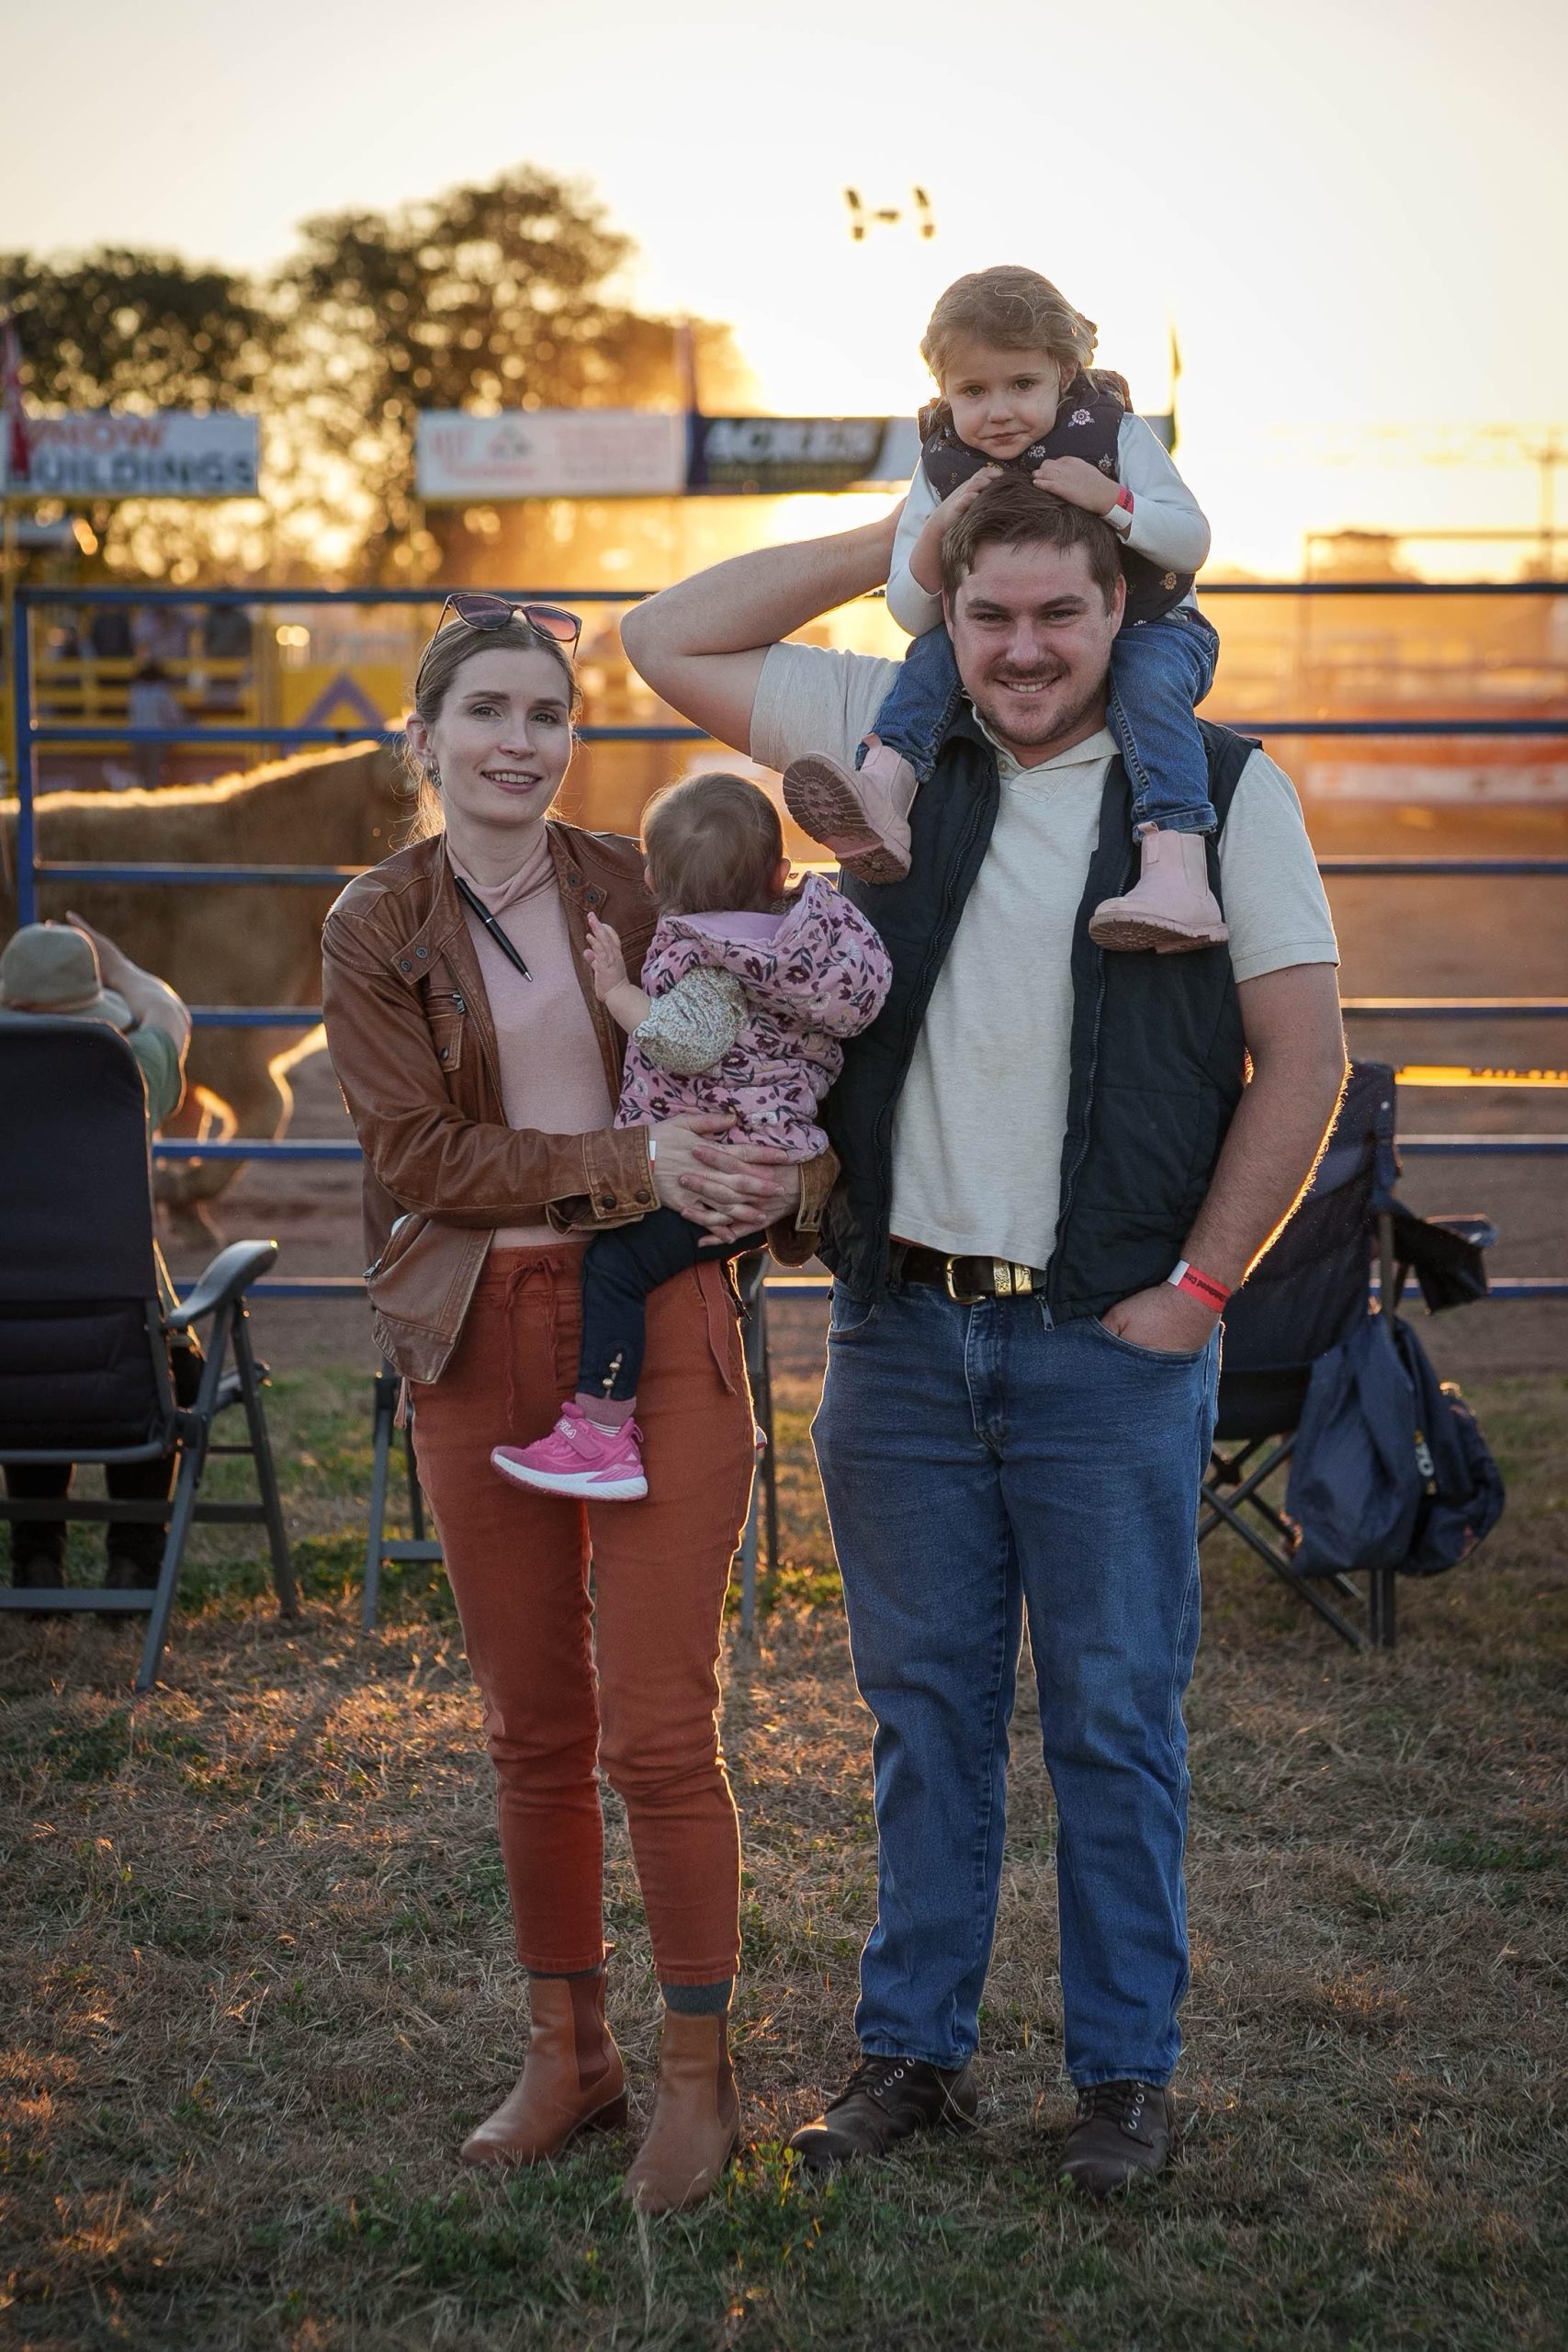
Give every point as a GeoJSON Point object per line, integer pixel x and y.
{"type": "Point", "coordinates": [978, 1133]}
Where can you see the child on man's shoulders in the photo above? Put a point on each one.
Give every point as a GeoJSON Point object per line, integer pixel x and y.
{"type": "Point", "coordinates": [1010, 357]}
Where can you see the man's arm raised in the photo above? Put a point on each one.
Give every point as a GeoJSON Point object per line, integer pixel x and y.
{"type": "Point", "coordinates": [701, 645]}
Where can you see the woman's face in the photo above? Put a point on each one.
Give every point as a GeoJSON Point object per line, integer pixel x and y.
{"type": "Point", "coordinates": [503, 740]}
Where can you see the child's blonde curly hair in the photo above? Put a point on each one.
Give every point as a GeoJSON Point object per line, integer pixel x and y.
{"type": "Point", "coordinates": [1012, 310]}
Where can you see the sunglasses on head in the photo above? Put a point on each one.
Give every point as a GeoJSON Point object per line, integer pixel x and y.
{"type": "Point", "coordinates": [482, 611]}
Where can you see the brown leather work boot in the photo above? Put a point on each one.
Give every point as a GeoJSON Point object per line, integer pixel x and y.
{"type": "Point", "coordinates": [696, 2126]}
{"type": "Point", "coordinates": [571, 2080]}
{"type": "Point", "coordinates": [887, 2100]}
{"type": "Point", "coordinates": [1122, 2132]}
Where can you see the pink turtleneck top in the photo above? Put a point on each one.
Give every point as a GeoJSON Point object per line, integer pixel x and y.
{"type": "Point", "coordinates": [552, 1078]}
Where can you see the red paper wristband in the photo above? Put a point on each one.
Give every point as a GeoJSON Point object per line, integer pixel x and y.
{"type": "Point", "coordinates": [1197, 1284]}
{"type": "Point", "coordinates": [1125, 499]}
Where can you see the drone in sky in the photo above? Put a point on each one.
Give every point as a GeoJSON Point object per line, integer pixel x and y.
{"type": "Point", "coordinates": [863, 218]}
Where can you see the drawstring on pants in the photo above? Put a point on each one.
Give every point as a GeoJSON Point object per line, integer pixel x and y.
{"type": "Point", "coordinates": [528, 1263]}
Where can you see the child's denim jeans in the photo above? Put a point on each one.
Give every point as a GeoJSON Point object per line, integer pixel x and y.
{"type": "Point", "coordinates": [1159, 670]}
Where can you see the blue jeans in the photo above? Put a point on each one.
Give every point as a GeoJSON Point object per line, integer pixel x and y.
{"type": "Point", "coordinates": [1159, 670]}
{"type": "Point", "coordinates": [978, 1461]}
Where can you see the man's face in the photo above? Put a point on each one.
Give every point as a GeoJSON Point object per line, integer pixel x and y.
{"type": "Point", "coordinates": [1033, 639]}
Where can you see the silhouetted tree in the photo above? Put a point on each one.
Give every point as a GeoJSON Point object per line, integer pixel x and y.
{"type": "Point", "coordinates": [484, 298]}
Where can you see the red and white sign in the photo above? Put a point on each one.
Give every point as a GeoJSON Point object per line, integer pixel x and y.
{"type": "Point", "coordinates": [174, 453]}
{"type": "Point", "coordinates": [550, 453]}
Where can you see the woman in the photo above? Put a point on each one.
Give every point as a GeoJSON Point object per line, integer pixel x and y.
{"type": "Point", "coordinates": [481, 1075]}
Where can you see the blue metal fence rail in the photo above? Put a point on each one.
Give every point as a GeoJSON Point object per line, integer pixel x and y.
{"type": "Point", "coordinates": [32, 869]}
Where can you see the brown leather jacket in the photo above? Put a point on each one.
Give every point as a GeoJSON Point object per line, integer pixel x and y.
{"type": "Point", "coordinates": [414, 1046]}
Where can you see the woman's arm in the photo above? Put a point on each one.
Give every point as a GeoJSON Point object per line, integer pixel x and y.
{"type": "Point", "coordinates": [432, 1158]}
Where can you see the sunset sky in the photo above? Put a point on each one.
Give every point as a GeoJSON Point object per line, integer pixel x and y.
{"type": "Point", "coordinates": [1353, 212]}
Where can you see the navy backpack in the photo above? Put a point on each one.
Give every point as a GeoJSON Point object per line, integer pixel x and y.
{"type": "Point", "coordinates": [1390, 1469]}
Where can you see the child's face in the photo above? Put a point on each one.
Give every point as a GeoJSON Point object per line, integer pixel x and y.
{"type": "Point", "coordinates": [1001, 400]}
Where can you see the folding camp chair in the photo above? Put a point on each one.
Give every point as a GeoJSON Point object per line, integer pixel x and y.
{"type": "Point", "coordinates": [750, 1281]}
{"type": "Point", "coordinates": [1305, 1297]}
{"type": "Point", "coordinates": [84, 1372]}
{"type": "Point", "coordinates": [380, 1549]}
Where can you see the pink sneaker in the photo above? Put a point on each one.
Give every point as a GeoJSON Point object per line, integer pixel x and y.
{"type": "Point", "coordinates": [579, 1458]}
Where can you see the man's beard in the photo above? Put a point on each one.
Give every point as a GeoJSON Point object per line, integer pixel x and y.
{"type": "Point", "coordinates": [1055, 729]}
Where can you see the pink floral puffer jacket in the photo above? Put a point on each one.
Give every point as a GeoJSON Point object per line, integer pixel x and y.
{"type": "Point", "coordinates": [819, 978]}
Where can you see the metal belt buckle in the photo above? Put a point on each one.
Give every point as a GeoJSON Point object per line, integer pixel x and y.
{"type": "Point", "coordinates": [960, 1297]}
{"type": "Point", "coordinates": [1008, 1280]}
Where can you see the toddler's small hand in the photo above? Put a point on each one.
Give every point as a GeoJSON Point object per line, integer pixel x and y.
{"type": "Point", "coordinates": [605, 959]}
{"type": "Point", "coordinates": [964, 495]}
{"type": "Point", "coordinates": [925, 558]}
{"type": "Point", "coordinates": [1081, 484]}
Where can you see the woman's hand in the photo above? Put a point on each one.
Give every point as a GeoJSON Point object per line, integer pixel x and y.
{"type": "Point", "coordinates": [605, 961]}
{"type": "Point", "coordinates": [925, 556]}
{"type": "Point", "coordinates": [727, 1188]}
{"type": "Point", "coordinates": [1078, 482]}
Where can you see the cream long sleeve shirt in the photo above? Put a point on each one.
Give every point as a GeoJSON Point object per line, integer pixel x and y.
{"type": "Point", "coordinates": [1167, 523]}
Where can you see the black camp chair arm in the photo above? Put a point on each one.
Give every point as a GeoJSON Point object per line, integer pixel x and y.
{"type": "Point", "coordinates": [1477, 1229]}
{"type": "Point", "coordinates": [231, 1271]}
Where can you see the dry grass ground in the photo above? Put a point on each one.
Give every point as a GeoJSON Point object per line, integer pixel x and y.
{"type": "Point", "coordinates": [258, 1985]}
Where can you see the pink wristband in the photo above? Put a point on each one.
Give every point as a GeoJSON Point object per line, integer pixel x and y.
{"type": "Point", "coordinates": [1197, 1284]}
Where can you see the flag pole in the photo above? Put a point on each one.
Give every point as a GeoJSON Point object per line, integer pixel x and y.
{"type": "Point", "coordinates": [13, 448]}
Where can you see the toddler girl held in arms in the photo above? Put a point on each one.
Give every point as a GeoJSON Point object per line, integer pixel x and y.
{"type": "Point", "coordinates": [747, 1001]}
{"type": "Point", "coordinates": [1010, 357]}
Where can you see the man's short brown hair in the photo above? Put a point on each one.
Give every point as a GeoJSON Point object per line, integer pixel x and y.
{"type": "Point", "coordinates": [714, 843]}
{"type": "Point", "coordinates": [1011, 513]}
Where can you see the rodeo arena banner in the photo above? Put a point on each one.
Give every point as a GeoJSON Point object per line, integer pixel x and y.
{"type": "Point", "coordinates": [174, 453]}
{"type": "Point", "coordinates": [630, 453]}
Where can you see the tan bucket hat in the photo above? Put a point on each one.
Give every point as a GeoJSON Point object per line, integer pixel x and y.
{"type": "Point", "coordinates": [51, 968]}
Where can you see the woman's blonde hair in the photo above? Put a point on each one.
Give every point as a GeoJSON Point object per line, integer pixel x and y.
{"type": "Point", "coordinates": [713, 842]}
{"type": "Point", "coordinates": [1012, 310]}
{"type": "Point", "coordinates": [442, 657]}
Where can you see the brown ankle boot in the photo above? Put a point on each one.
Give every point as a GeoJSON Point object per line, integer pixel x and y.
{"type": "Point", "coordinates": [696, 2126]}
{"type": "Point", "coordinates": [570, 2082]}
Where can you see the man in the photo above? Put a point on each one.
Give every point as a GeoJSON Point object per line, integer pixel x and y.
{"type": "Point", "coordinates": [55, 970]}
{"type": "Point", "coordinates": [1052, 1175]}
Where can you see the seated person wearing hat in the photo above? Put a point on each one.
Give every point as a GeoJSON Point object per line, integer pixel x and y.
{"type": "Point", "coordinates": [51, 970]}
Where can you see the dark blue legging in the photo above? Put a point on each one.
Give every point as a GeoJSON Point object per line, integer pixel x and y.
{"type": "Point", "coordinates": [619, 1269]}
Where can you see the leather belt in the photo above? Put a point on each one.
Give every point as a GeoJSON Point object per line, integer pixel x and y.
{"type": "Point", "coordinates": [967, 1280]}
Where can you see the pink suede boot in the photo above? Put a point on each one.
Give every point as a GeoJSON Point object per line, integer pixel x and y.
{"type": "Point", "coordinates": [863, 818]}
{"type": "Point", "coordinates": [1171, 907]}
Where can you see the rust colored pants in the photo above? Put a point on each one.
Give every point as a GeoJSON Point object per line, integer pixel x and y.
{"type": "Point", "coordinates": [632, 1678]}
